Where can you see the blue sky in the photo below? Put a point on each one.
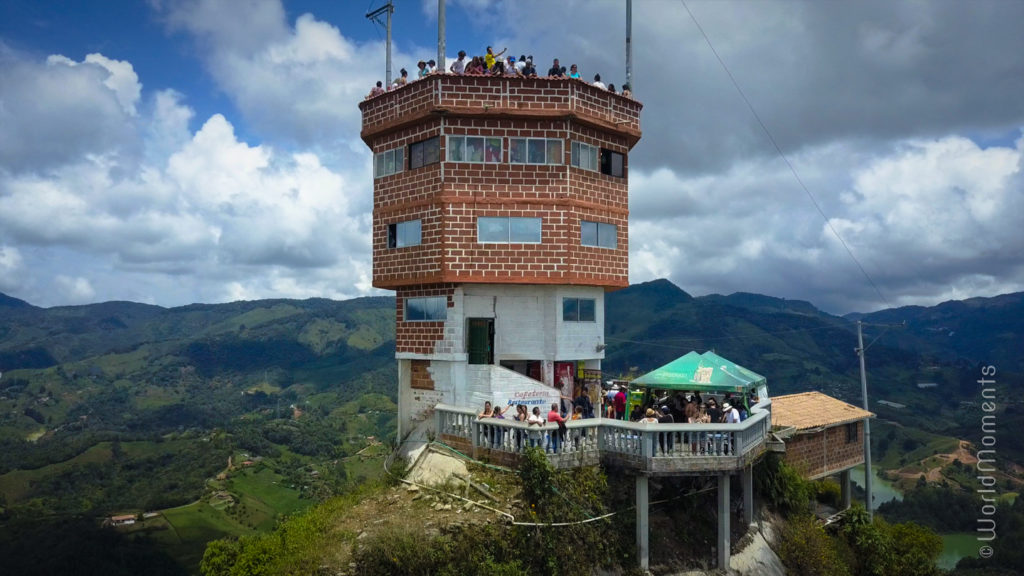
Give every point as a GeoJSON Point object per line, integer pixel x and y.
{"type": "Point", "coordinates": [177, 151]}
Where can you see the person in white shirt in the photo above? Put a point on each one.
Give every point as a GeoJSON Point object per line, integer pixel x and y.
{"type": "Point", "coordinates": [650, 417]}
{"type": "Point", "coordinates": [459, 66]}
{"type": "Point", "coordinates": [732, 415]}
{"type": "Point", "coordinates": [535, 419]}
{"type": "Point", "coordinates": [598, 83]}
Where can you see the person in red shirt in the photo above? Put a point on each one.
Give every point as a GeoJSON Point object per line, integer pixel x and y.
{"type": "Point", "coordinates": [556, 435]}
{"type": "Point", "coordinates": [620, 404]}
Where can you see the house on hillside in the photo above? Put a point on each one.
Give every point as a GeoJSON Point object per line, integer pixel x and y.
{"type": "Point", "coordinates": [824, 436]}
{"type": "Point", "coordinates": [122, 520]}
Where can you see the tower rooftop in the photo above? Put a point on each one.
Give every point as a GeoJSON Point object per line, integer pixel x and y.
{"type": "Point", "coordinates": [500, 97]}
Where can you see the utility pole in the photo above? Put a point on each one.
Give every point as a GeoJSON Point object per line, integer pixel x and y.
{"type": "Point", "coordinates": [861, 348]}
{"type": "Point", "coordinates": [387, 9]}
{"type": "Point", "coordinates": [440, 36]}
{"type": "Point", "coordinates": [629, 45]}
{"type": "Point", "coordinates": [867, 422]}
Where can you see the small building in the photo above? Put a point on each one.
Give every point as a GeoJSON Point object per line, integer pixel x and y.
{"type": "Point", "coordinates": [827, 435]}
{"type": "Point", "coordinates": [123, 520]}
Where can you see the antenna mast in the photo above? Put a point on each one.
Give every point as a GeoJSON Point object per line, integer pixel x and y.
{"type": "Point", "coordinates": [629, 45]}
{"type": "Point", "coordinates": [867, 422]}
{"type": "Point", "coordinates": [440, 36]}
{"type": "Point", "coordinates": [387, 9]}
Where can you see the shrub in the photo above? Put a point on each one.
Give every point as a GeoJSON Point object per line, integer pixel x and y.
{"type": "Point", "coordinates": [782, 486]}
{"type": "Point", "coordinates": [807, 550]}
{"type": "Point", "coordinates": [828, 492]}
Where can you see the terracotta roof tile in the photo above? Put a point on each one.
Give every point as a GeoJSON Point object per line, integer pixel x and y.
{"type": "Point", "coordinates": [809, 410]}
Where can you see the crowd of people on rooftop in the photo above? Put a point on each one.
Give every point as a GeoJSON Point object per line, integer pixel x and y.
{"type": "Point", "coordinates": [494, 64]}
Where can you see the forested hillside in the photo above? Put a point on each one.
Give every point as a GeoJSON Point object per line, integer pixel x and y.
{"type": "Point", "coordinates": [127, 408]}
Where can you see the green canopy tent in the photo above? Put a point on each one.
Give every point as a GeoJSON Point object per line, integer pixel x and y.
{"type": "Point", "coordinates": [707, 372]}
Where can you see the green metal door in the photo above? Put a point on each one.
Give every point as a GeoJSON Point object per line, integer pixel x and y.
{"type": "Point", "coordinates": [481, 341]}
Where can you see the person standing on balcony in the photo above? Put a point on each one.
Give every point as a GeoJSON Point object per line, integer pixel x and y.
{"type": "Point", "coordinates": [556, 435]}
{"type": "Point", "coordinates": [535, 420]}
{"type": "Point", "coordinates": [459, 66]}
{"type": "Point", "coordinates": [732, 415]}
{"type": "Point", "coordinates": [598, 83]}
{"type": "Point", "coordinates": [650, 417]}
{"type": "Point", "coordinates": [620, 404]}
{"type": "Point", "coordinates": [556, 70]}
{"type": "Point", "coordinates": [490, 58]}
{"type": "Point", "coordinates": [583, 401]}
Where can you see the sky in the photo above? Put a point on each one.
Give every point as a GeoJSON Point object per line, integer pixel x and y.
{"type": "Point", "coordinates": [172, 152]}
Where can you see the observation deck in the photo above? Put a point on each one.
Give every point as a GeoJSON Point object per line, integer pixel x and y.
{"type": "Point", "coordinates": [500, 97]}
{"type": "Point", "coordinates": [644, 449]}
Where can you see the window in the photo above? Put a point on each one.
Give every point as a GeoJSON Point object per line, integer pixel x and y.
{"type": "Point", "coordinates": [404, 234]}
{"type": "Point", "coordinates": [851, 433]}
{"type": "Point", "coordinates": [507, 230]}
{"type": "Point", "coordinates": [584, 156]}
{"type": "Point", "coordinates": [474, 149]}
{"type": "Point", "coordinates": [579, 310]}
{"type": "Point", "coordinates": [424, 153]}
{"type": "Point", "coordinates": [426, 309]}
{"type": "Point", "coordinates": [599, 234]}
{"type": "Point", "coordinates": [535, 151]}
{"type": "Point", "coordinates": [388, 163]}
{"type": "Point", "coordinates": [612, 163]}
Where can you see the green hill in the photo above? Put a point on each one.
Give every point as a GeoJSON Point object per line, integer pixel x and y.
{"type": "Point", "coordinates": [124, 407]}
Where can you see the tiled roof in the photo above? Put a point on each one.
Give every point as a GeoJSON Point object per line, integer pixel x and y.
{"type": "Point", "coordinates": [809, 410]}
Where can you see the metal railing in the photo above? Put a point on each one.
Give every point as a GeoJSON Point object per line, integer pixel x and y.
{"type": "Point", "coordinates": [650, 448]}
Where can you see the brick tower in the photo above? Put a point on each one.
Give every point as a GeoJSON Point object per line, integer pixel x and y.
{"type": "Point", "coordinates": [500, 218]}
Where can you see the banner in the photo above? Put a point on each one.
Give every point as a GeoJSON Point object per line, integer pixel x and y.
{"type": "Point", "coordinates": [539, 396]}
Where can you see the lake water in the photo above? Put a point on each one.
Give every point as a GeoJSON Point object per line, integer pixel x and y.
{"type": "Point", "coordinates": [956, 546]}
{"type": "Point", "coordinates": [882, 489]}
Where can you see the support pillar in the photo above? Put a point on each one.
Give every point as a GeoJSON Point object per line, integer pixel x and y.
{"type": "Point", "coordinates": [643, 529]}
{"type": "Point", "coordinates": [748, 495]}
{"type": "Point", "coordinates": [723, 521]}
{"type": "Point", "coordinates": [844, 485]}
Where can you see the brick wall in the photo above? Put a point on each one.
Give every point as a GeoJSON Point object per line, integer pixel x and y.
{"type": "Point", "coordinates": [420, 378]}
{"type": "Point", "coordinates": [419, 337]}
{"type": "Point", "coordinates": [499, 97]}
{"type": "Point", "coordinates": [819, 454]}
{"type": "Point", "coordinates": [448, 197]}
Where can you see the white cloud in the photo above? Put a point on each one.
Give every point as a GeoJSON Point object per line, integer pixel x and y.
{"type": "Point", "coordinates": [75, 290]}
{"type": "Point", "coordinates": [62, 111]}
{"type": "Point", "coordinates": [895, 116]}
{"type": "Point", "coordinates": [298, 83]}
{"type": "Point", "coordinates": [192, 216]}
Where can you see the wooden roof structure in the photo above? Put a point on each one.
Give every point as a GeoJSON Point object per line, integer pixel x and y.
{"type": "Point", "coordinates": [814, 410]}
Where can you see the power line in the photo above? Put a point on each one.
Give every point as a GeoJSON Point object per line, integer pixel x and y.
{"type": "Point", "coordinates": [718, 338]}
{"type": "Point", "coordinates": [778, 150]}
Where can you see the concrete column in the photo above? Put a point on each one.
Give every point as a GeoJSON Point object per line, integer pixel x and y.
{"type": "Point", "coordinates": [643, 529]}
{"type": "Point", "coordinates": [844, 485]}
{"type": "Point", "coordinates": [723, 521]}
{"type": "Point", "coordinates": [748, 495]}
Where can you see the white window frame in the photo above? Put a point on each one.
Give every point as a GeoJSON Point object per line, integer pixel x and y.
{"type": "Point", "coordinates": [511, 222]}
{"type": "Point", "coordinates": [434, 308]}
{"type": "Point", "coordinates": [607, 235]}
{"type": "Point", "coordinates": [404, 234]}
{"type": "Point", "coordinates": [459, 143]}
{"type": "Point", "coordinates": [397, 157]}
{"type": "Point", "coordinates": [585, 156]}
{"type": "Point", "coordinates": [558, 160]}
